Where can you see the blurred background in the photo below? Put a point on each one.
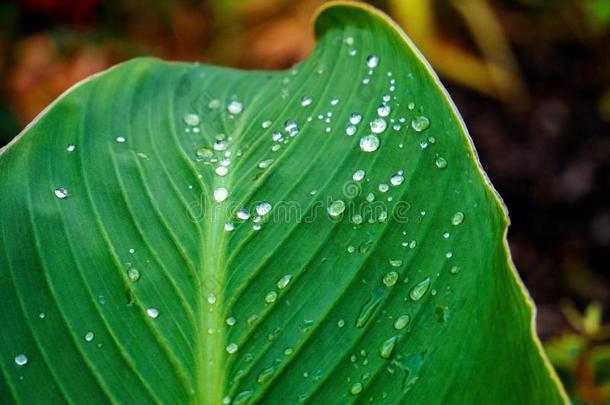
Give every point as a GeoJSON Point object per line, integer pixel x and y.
{"type": "Point", "coordinates": [530, 77]}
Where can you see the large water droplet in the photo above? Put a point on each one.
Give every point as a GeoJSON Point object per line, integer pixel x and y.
{"type": "Point", "coordinates": [21, 360]}
{"type": "Point", "coordinates": [220, 194]}
{"type": "Point", "coordinates": [336, 208]}
{"type": "Point", "coordinates": [235, 107]}
{"type": "Point", "coordinates": [369, 143]}
{"type": "Point", "coordinates": [263, 208]}
{"type": "Point", "coordinates": [378, 125]}
{"type": "Point", "coordinates": [387, 347]}
{"type": "Point", "coordinates": [372, 61]}
{"type": "Point", "coordinates": [420, 123]}
{"type": "Point", "coordinates": [401, 322]}
{"type": "Point", "coordinates": [369, 308]}
{"type": "Point", "coordinates": [457, 218]}
{"type": "Point", "coordinates": [420, 289]}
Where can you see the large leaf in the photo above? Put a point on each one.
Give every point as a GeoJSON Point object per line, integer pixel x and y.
{"type": "Point", "coordinates": [122, 281]}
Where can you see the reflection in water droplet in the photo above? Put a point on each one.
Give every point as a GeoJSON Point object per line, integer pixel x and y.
{"type": "Point", "coordinates": [243, 214]}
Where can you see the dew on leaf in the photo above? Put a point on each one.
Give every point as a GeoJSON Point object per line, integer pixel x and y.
{"type": "Point", "coordinates": [420, 289]}
{"type": "Point", "coordinates": [390, 278]}
{"type": "Point", "coordinates": [191, 120]}
{"type": "Point", "coordinates": [263, 208]}
{"type": "Point", "coordinates": [222, 171]}
{"type": "Point", "coordinates": [457, 218]}
{"type": "Point", "coordinates": [220, 194]}
{"type": "Point", "coordinates": [71, 148]}
{"type": "Point", "coordinates": [372, 61]}
{"type": "Point", "coordinates": [356, 388]}
{"type": "Point", "coordinates": [358, 175]}
{"type": "Point", "coordinates": [401, 322]}
{"type": "Point", "coordinates": [420, 123]}
{"type": "Point", "coordinates": [152, 312]}
{"type": "Point", "coordinates": [305, 101]}
{"type": "Point", "coordinates": [120, 139]}
{"type": "Point", "coordinates": [229, 226]}
{"type": "Point", "coordinates": [397, 179]}
{"type": "Point", "coordinates": [387, 347]}
{"type": "Point", "coordinates": [89, 336]}
{"type": "Point", "coordinates": [235, 107]}
{"type": "Point", "coordinates": [265, 375]}
{"type": "Point", "coordinates": [336, 208]}
{"type": "Point", "coordinates": [271, 297]}
{"type": "Point", "coordinates": [383, 110]}
{"type": "Point", "coordinates": [61, 193]}
{"type": "Point", "coordinates": [395, 262]}
{"type": "Point", "coordinates": [284, 281]}
{"type": "Point", "coordinates": [21, 360]}
{"type": "Point", "coordinates": [355, 118]}
{"type": "Point", "coordinates": [133, 274]}
{"type": "Point", "coordinates": [440, 162]}
{"type": "Point", "coordinates": [454, 270]}
{"type": "Point", "coordinates": [231, 321]}
{"type": "Point", "coordinates": [231, 348]}
{"type": "Point", "coordinates": [368, 309]}
{"type": "Point", "coordinates": [350, 130]}
{"type": "Point", "coordinates": [378, 125]}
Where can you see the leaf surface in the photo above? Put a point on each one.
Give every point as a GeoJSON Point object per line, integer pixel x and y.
{"type": "Point", "coordinates": [182, 233]}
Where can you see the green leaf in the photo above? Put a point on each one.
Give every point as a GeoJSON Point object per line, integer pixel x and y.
{"type": "Point", "coordinates": [121, 284]}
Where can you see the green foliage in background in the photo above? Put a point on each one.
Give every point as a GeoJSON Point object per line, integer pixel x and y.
{"type": "Point", "coordinates": [178, 233]}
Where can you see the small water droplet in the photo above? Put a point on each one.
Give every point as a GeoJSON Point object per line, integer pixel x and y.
{"type": "Point", "coordinates": [266, 124]}
{"type": "Point", "coordinates": [71, 148]}
{"type": "Point", "coordinates": [120, 139]}
{"type": "Point", "coordinates": [378, 125]}
{"type": "Point", "coordinates": [152, 312]}
{"type": "Point", "coordinates": [89, 336]}
{"type": "Point", "coordinates": [220, 194]}
{"type": "Point", "coordinates": [457, 218]}
{"type": "Point", "coordinates": [336, 208]}
{"type": "Point", "coordinates": [235, 107]}
{"type": "Point", "coordinates": [334, 101]}
{"type": "Point", "coordinates": [243, 214]}
{"type": "Point", "coordinates": [440, 162]}
{"type": "Point", "coordinates": [420, 123]}
{"type": "Point", "coordinates": [384, 110]}
{"type": "Point", "coordinates": [387, 347]}
{"type": "Point", "coordinates": [284, 281]}
{"type": "Point", "coordinates": [395, 262]}
{"type": "Point", "coordinates": [61, 193]}
{"type": "Point", "coordinates": [231, 321]}
{"type": "Point", "coordinates": [369, 143]}
{"type": "Point", "coordinates": [358, 175]}
{"type": "Point", "coordinates": [21, 360]}
{"type": "Point", "coordinates": [383, 187]}
{"type": "Point", "coordinates": [341, 323]}
{"type": "Point", "coordinates": [420, 289]}
{"type": "Point", "coordinates": [191, 120]}
{"type": "Point", "coordinates": [355, 118]}
{"type": "Point", "coordinates": [263, 208]}
{"type": "Point", "coordinates": [446, 235]}
{"type": "Point", "coordinates": [350, 130]}
{"type": "Point", "coordinates": [42, 315]}
{"type": "Point", "coordinates": [271, 297]}
{"type": "Point", "coordinates": [357, 219]}
{"type": "Point", "coordinates": [243, 397]}
{"type": "Point", "coordinates": [390, 278]}
{"type": "Point", "coordinates": [454, 270]}
{"type": "Point", "coordinates": [211, 299]}
{"type": "Point", "coordinates": [265, 375]}
{"type": "Point", "coordinates": [263, 164]}
{"type": "Point", "coordinates": [401, 322]}
{"type": "Point", "coordinates": [372, 61]}
{"type": "Point", "coordinates": [232, 348]}
{"type": "Point", "coordinates": [222, 171]}
{"type": "Point", "coordinates": [229, 227]}
{"type": "Point", "coordinates": [305, 101]}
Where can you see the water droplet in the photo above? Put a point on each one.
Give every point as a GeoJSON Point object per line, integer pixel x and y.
{"type": "Point", "coordinates": [220, 146]}
{"type": "Point", "coordinates": [457, 218]}
{"type": "Point", "coordinates": [372, 61]}
{"type": "Point", "coordinates": [440, 162]}
{"type": "Point", "coordinates": [350, 130]}
{"type": "Point", "coordinates": [120, 139]}
{"type": "Point", "coordinates": [89, 336]}
{"type": "Point", "coordinates": [263, 164]}
{"type": "Point", "coordinates": [340, 323]}
{"type": "Point", "coordinates": [369, 308]}
{"type": "Point", "coordinates": [283, 282]}
{"type": "Point", "coordinates": [397, 180]}
{"type": "Point", "coordinates": [291, 127]}
{"type": "Point", "coordinates": [152, 312]}
{"type": "Point", "coordinates": [420, 289]}
{"type": "Point", "coordinates": [369, 143]}
{"type": "Point", "coordinates": [235, 107]}
{"type": "Point", "coordinates": [191, 120]}
{"type": "Point", "coordinates": [266, 124]}
{"type": "Point", "coordinates": [401, 322]}
{"type": "Point", "coordinates": [383, 187]}
{"type": "Point", "coordinates": [334, 101]}
{"type": "Point", "coordinates": [390, 278]}
{"type": "Point", "coordinates": [446, 235]}
{"type": "Point", "coordinates": [378, 125]}
{"type": "Point", "coordinates": [336, 208]}
{"type": "Point", "coordinates": [387, 347]}
{"type": "Point", "coordinates": [243, 397]}
{"type": "Point", "coordinates": [358, 175]}
{"type": "Point", "coordinates": [305, 101]}
{"type": "Point", "coordinates": [265, 375]}
{"type": "Point", "coordinates": [449, 255]}
{"type": "Point", "coordinates": [231, 321]}
{"type": "Point", "coordinates": [133, 274]}
{"type": "Point", "coordinates": [357, 219]}
{"type": "Point", "coordinates": [21, 360]}
{"type": "Point", "coordinates": [61, 193]}
{"type": "Point", "coordinates": [232, 348]}
{"type": "Point", "coordinates": [263, 208]}
{"type": "Point", "coordinates": [355, 118]}
{"type": "Point", "coordinates": [454, 270]}
{"type": "Point", "coordinates": [243, 214]}
{"type": "Point", "coordinates": [420, 123]}
{"type": "Point", "coordinates": [222, 171]}
{"type": "Point", "coordinates": [42, 315]}
{"type": "Point", "coordinates": [395, 262]}
{"type": "Point", "coordinates": [220, 194]}
{"type": "Point", "coordinates": [229, 226]}
{"type": "Point", "coordinates": [383, 110]}
{"type": "Point", "coordinates": [205, 153]}
{"type": "Point", "coordinates": [271, 297]}
{"type": "Point", "coordinates": [356, 388]}
{"type": "Point", "coordinates": [211, 299]}
{"type": "Point", "coordinates": [71, 148]}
